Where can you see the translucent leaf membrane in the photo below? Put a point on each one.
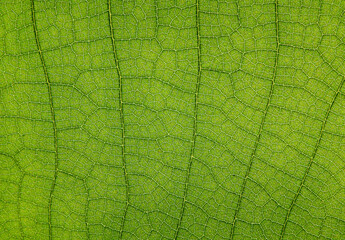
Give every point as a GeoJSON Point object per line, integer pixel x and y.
{"type": "Point", "coordinates": [172, 119]}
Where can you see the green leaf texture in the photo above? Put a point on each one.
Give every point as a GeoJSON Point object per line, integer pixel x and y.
{"type": "Point", "coordinates": [172, 119]}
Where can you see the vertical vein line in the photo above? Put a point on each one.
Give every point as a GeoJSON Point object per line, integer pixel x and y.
{"type": "Point", "coordinates": [298, 193]}
{"type": "Point", "coordinates": [52, 188]}
{"type": "Point", "coordinates": [261, 125]}
{"type": "Point", "coordinates": [121, 118]}
{"type": "Point", "coordinates": [197, 87]}
{"type": "Point", "coordinates": [19, 196]}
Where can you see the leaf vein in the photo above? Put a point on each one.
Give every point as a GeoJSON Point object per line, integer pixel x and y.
{"type": "Point", "coordinates": [52, 111]}
{"type": "Point", "coordinates": [298, 193]}
{"type": "Point", "coordinates": [197, 89]}
{"type": "Point", "coordinates": [239, 202]}
{"type": "Point", "coordinates": [118, 71]}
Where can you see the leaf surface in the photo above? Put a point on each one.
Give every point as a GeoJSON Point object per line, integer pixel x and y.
{"type": "Point", "coordinates": [155, 119]}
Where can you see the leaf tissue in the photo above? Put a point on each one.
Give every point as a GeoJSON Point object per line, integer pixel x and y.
{"type": "Point", "coordinates": [150, 119]}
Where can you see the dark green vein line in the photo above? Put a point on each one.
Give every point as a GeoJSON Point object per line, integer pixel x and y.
{"type": "Point", "coordinates": [121, 118]}
{"type": "Point", "coordinates": [196, 95]}
{"type": "Point", "coordinates": [298, 193]}
{"type": "Point", "coordinates": [19, 195]}
{"type": "Point", "coordinates": [87, 207]}
{"type": "Point", "coordinates": [52, 188]}
{"type": "Point", "coordinates": [243, 187]}
{"type": "Point", "coordinates": [238, 12]}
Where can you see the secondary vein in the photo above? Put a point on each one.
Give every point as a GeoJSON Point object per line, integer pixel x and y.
{"type": "Point", "coordinates": [121, 118]}
{"type": "Point", "coordinates": [293, 203]}
{"type": "Point", "coordinates": [261, 126]}
{"type": "Point", "coordinates": [52, 188]}
{"type": "Point", "coordinates": [197, 87]}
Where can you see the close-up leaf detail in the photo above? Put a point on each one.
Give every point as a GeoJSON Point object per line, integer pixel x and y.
{"type": "Point", "coordinates": [172, 119]}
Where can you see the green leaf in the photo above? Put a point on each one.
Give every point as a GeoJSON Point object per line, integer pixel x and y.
{"type": "Point", "coordinates": [147, 119]}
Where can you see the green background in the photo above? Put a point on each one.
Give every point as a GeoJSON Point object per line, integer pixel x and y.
{"type": "Point", "coordinates": [172, 119]}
